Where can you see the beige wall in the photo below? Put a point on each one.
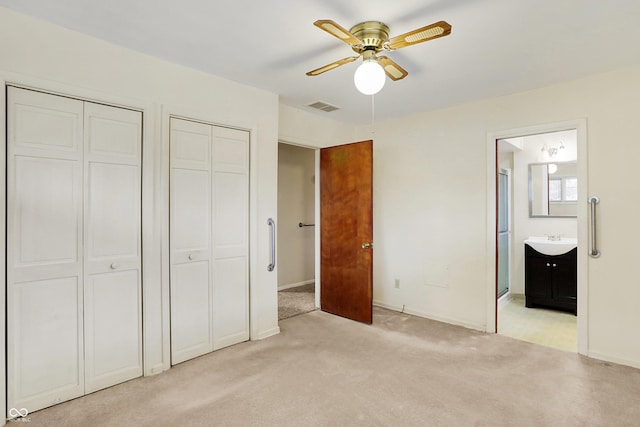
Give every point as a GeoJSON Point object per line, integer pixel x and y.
{"type": "Point", "coordinates": [430, 205]}
{"type": "Point", "coordinates": [47, 57]}
{"type": "Point", "coordinates": [315, 130]}
{"type": "Point", "coordinates": [430, 191]}
{"type": "Point", "coordinates": [296, 203]}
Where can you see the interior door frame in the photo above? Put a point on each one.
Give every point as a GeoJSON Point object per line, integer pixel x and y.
{"type": "Point", "coordinates": [316, 219]}
{"type": "Point", "coordinates": [150, 262]}
{"type": "Point", "coordinates": [170, 111]}
{"type": "Point", "coordinates": [580, 125]}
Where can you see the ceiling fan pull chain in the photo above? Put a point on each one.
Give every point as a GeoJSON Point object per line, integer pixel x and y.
{"type": "Point", "coordinates": [373, 116]}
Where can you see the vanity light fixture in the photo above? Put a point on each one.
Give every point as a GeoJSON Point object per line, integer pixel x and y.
{"type": "Point", "coordinates": [551, 150]}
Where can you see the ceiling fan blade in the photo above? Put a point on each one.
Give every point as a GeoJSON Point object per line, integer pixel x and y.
{"type": "Point", "coordinates": [337, 31]}
{"type": "Point", "coordinates": [430, 32]}
{"type": "Point", "coordinates": [393, 70]}
{"type": "Point", "coordinates": [332, 66]}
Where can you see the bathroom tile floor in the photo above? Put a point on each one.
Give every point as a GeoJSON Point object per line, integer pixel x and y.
{"type": "Point", "coordinates": [550, 328]}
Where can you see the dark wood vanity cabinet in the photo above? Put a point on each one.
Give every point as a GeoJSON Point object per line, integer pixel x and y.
{"type": "Point", "coordinates": [551, 281]}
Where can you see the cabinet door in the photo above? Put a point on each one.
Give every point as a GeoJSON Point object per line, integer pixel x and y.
{"type": "Point", "coordinates": [565, 280]}
{"type": "Point", "coordinates": [190, 240]}
{"type": "Point", "coordinates": [45, 361]}
{"type": "Point", "coordinates": [112, 223]}
{"type": "Point", "coordinates": [537, 276]}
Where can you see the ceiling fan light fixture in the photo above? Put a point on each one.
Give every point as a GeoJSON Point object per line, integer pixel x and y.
{"type": "Point", "coordinates": [369, 78]}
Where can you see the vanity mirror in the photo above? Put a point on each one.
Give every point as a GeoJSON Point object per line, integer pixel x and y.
{"type": "Point", "coordinates": [553, 189]}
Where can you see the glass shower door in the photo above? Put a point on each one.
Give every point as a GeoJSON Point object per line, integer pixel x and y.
{"type": "Point", "coordinates": [503, 233]}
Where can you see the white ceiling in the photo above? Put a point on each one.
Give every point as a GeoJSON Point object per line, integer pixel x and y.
{"type": "Point", "coordinates": [496, 47]}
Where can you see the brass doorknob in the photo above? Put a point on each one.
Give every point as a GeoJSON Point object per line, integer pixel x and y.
{"type": "Point", "coordinates": [367, 245]}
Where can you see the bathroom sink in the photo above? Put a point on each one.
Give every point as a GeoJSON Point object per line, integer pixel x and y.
{"type": "Point", "coordinates": [552, 247]}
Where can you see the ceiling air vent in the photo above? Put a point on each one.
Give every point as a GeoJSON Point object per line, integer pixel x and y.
{"type": "Point", "coordinates": [319, 105]}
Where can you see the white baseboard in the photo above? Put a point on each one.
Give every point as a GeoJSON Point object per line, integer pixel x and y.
{"type": "Point", "coordinates": [505, 299]}
{"type": "Point", "coordinates": [154, 370]}
{"type": "Point", "coordinates": [295, 285]}
{"type": "Point", "coordinates": [266, 334]}
{"type": "Point", "coordinates": [613, 359]}
{"type": "Point", "coordinates": [413, 312]}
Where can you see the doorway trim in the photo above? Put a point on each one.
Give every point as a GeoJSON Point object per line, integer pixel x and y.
{"type": "Point", "coordinates": [316, 220]}
{"type": "Point", "coordinates": [580, 125]}
{"type": "Point", "coordinates": [193, 114]}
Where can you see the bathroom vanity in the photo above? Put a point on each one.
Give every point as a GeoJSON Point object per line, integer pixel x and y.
{"type": "Point", "coordinates": [551, 277]}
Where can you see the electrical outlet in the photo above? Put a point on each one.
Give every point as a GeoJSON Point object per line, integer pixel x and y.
{"type": "Point", "coordinates": [397, 283]}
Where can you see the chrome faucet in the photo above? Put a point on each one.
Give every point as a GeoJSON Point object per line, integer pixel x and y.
{"type": "Point", "coordinates": [553, 237]}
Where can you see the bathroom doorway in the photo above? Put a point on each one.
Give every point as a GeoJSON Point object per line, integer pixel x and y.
{"type": "Point", "coordinates": [537, 201]}
{"type": "Point", "coordinates": [296, 230]}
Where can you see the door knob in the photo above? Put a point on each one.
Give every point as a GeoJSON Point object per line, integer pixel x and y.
{"type": "Point", "coordinates": [367, 245]}
{"type": "Point", "coordinates": [191, 257]}
{"type": "Point", "coordinates": [113, 266]}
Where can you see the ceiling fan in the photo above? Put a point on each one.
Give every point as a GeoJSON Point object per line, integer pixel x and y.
{"type": "Point", "coordinates": [368, 39]}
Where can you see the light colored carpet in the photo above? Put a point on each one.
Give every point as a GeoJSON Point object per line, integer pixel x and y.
{"type": "Point", "coordinates": [298, 300]}
{"type": "Point", "coordinates": [323, 370]}
{"type": "Point", "coordinates": [551, 328]}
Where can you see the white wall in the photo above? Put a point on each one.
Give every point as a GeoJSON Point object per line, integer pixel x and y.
{"type": "Point", "coordinates": [314, 130]}
{"type": "Point", "coordinates": [296, 203]}
{"type": "Point", "coordinates": [523, 226]}
{"type": "Point", "coordinates": [430, 205]}
{"type": "Point", "coordinates": [41, 55]}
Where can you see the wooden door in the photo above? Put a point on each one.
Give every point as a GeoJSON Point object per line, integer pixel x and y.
{"type": "Point", "coordinates": [113, 248]}
{"type": "Point", "coordinates": [346, 234]}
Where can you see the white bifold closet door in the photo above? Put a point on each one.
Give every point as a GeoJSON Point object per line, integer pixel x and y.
{"type": "Point", "coordinates": [74, 312]}
{"type": "Point", "coordinates": [209, 198]}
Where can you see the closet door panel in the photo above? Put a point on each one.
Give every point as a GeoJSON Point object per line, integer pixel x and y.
{"type": "Point", "coordinates": [43, 123]}
{"type": "Point", "coordinates": [113, 345]}
{"type": "Point", "coordinates": [112, 233]}
{"type": "Point", "coordinates": [113, 133]}
{"type": "Point", "coordinates": [231, 207]}
{"type": "Point", "coordinates": [191, 320]}
{"type": "Point", "coordinates": [190, 211]}
{"type": "Point", "coordinates": [231, 307]}
{"type": "Point", "coordinates": [190, 240]}
{"type": "Point", "coordinates": [113, 225]}
{"type": "Point", "coordinates": [45, 217]}
{"type": "Point", "coordinates": [45, 341]}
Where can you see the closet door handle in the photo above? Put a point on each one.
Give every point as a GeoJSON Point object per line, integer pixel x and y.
{"type": "Point", "coordinates": [113, 266]}
{"type": "Point", "coordinates": [594, 252]}
{"type": "Point", "coordinates": [272, 225]}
